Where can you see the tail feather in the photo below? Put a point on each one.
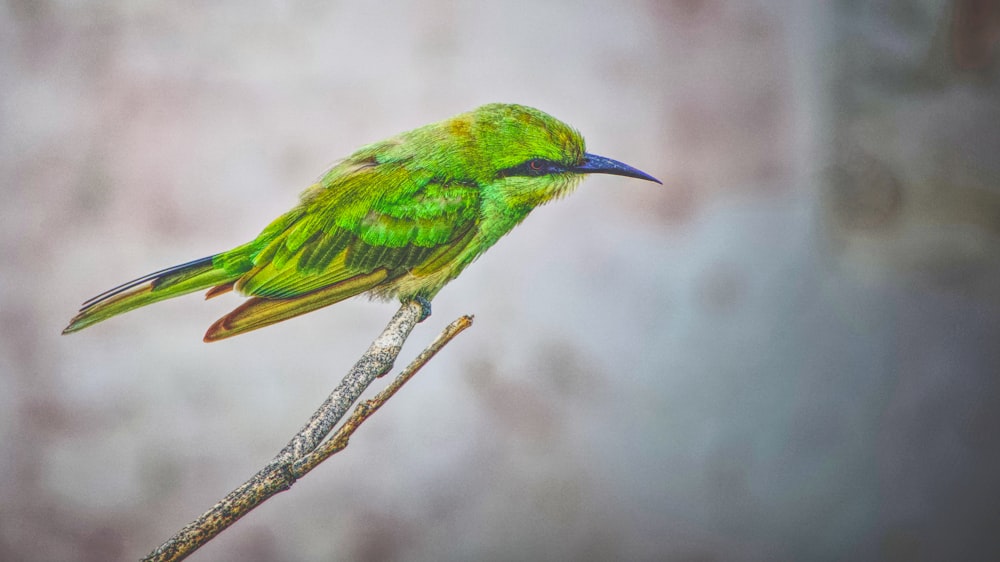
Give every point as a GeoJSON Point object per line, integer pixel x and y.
{"type": "Point", "coordinates": [184, 267]}
{"type": "Point", "coordinates": [159, 285]}
{"type": "Point", "coordinates": [220, 290]}
{"type": "Point", "coordinates": [260, 311]}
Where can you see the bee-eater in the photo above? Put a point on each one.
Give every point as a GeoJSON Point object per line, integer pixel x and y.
{"type": "Point", "coordinates": [398, 218]}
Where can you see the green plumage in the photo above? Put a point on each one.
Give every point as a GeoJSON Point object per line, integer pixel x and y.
{"type": "Point", "coordinates": [398, 218]}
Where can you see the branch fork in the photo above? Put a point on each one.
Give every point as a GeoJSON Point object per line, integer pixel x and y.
{"type": "Point", "coordinates": [310, 446]}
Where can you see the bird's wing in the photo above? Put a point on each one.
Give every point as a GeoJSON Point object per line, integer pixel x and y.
{"type": "Point", "coordinates": [378, 219]}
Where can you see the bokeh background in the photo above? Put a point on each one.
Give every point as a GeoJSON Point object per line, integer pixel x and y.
{"type": "Point", "coordinates": [790, 351]}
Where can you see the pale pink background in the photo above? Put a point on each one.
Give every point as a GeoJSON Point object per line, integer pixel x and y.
{"type": "Point", "coordinates": [789, 351]}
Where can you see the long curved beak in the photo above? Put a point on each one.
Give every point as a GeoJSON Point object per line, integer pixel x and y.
{"type": "Point", "coordinates": [594, 164]}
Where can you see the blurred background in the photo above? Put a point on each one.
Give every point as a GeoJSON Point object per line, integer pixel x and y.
{"type": "Point", "coordinates": [789, 351]}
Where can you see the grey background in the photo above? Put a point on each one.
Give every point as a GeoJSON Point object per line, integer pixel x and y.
{"type": "Point", "coordinates": [790, 351]}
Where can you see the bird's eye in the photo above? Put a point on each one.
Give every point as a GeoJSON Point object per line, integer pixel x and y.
{"type": "Point", "coordinates": [532, 168]}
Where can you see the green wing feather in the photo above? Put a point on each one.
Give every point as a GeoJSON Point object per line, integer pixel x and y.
{"type": "Point", "coordinates": [384, 217]}
{"type": "Point", "coordinates": [361, 232]}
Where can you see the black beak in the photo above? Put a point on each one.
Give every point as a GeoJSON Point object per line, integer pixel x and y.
{"type": "Point", "coordinates": [594, 164]}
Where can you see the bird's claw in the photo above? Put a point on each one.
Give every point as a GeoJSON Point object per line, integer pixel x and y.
{"type": "Point", "coordinates": [425, 308]}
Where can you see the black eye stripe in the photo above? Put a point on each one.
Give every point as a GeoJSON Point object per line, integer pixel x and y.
{"type": "Point", "coordinates": [533, 168]}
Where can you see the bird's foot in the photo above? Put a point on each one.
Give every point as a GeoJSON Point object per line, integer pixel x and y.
{"type": "Point", "coordinates": [425, 308]}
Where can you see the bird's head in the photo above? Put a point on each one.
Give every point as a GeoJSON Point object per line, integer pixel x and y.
{"type": "Point", "coordinates": [516, 154]}
{"type": "Point", "coordinates": [527, 155]}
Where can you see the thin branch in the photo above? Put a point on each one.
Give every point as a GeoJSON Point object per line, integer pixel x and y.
{"type": "Point", "coordinates": [365, 409]}
{"type": "Point", "coordinates": [307, 448]}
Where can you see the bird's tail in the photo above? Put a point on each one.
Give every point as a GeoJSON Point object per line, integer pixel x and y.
{"type": "Point", "coordinates": [157, 286]}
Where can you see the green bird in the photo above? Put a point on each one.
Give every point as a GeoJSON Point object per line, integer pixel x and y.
{"type": "Point", "coordinates": [398, 218]}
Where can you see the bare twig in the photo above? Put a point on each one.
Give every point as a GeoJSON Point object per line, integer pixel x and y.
{"type": "Point", "coordinates": [365, 409]}
{"type": "Point", "coordinates": [307, 449]}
